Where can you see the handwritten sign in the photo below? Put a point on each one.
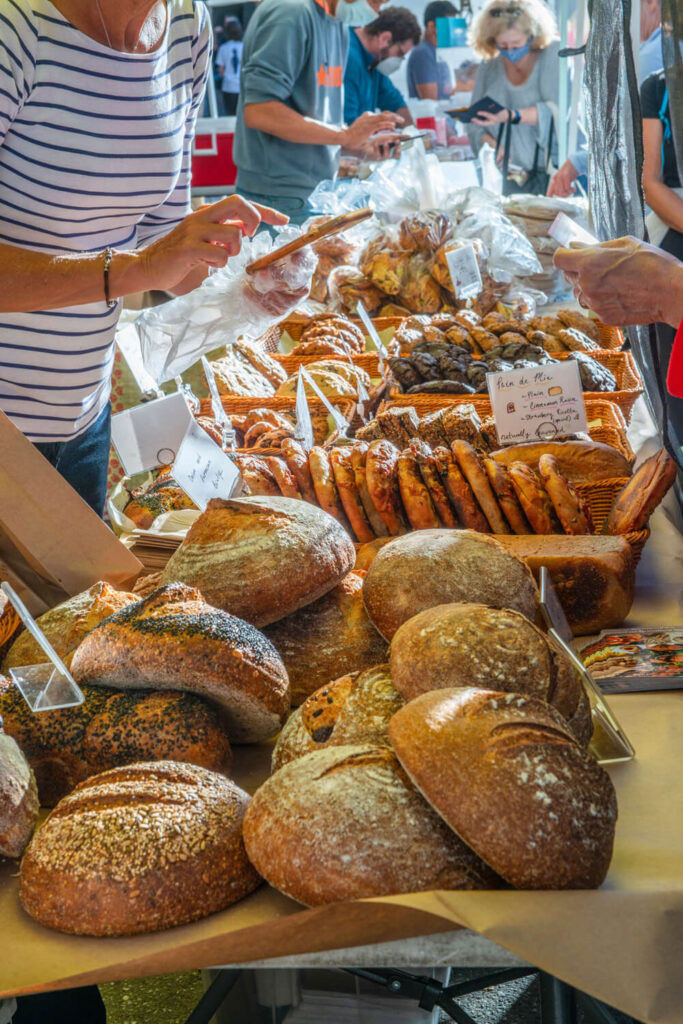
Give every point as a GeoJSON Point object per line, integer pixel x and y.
{"type": "Point", "coordinates": [464, 271]}
{"type": "Point", "coordinates": [303, 429]}
{"type": "Point", "coordinates": [150, 434]}
{"type": "Point", "coordinates": [538, 403]}
{"type": "Point", "coordinates": [203, 470]}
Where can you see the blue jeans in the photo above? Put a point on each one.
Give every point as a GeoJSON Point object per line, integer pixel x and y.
{"type": "Point", "coordinates": [84, 462]}
{"type": "Point", "coordinates": [298, 210]}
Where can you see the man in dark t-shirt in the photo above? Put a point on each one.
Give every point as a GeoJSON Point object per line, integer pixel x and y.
{"type": "Point", "coordinates": [428, 77]}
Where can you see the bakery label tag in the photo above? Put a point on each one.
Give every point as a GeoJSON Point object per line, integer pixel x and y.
{"type": "Point", "coordinates": [149, 435]}
{"type": "Point", "coordinates": [537, 404]}
{"type": "Point", "coordinates": [203, 470]}
{"type": "Point", "coordinates": [303, 428]}
{"type": "Point", "coordinates": [565, 231]}
{"type": "Point", "coordinates": [464, 270]}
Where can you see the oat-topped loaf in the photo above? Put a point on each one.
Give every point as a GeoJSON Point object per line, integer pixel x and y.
{"type": "Point", "coordinates": [174, 640]}
{"type": "Point", "coordinates": [139, 849]}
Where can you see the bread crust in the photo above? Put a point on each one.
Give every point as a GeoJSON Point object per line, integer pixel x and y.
{"type": "Point", "coordinates": [415, 496]}
{"type": "Point", "coordinates": [475, 474]}
{"type": "Point", "coordinates": [18, 798]}
{"type": "Point", "coordinates": [296, 457]}
{"type": "Point", "coordinates": [462, 498]}
{"type": "Point", "coordinates": [258, 476]}
{"type": "Point", "coordinates": [345, 479]}
{"type": "Point", "coordinates": [572, 511]}
{"type": "Point", "coordinates": [381, 471]}
{"type": "Point", "coordinates": [580, 461]}
{"type": "Point", "coordinates": [359, 455]}
{"type": "Point", "coordinates": [636, 502]}
{"type": "Point", "coordinates": [430, 475]}
{"type": "Point", "coordinates": [502, 486]}
{"type": "Point", "coordinates": [284, 477]}
{"type": "Point", "coordinates": [532, 497]}
{"type": "Point", "coordinates": [325, 487]}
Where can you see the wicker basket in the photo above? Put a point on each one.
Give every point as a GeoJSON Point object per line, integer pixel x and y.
{"type": "Point", "coordinates": [292, 362]}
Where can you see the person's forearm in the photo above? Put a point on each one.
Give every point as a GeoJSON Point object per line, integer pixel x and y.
{"type": "Point", "coordinates": [529, 115]}
{"type": "Point", "coordinates": [404, 112]}
{"type": "Point", "coordinates": [275, 118]}
{"type": "Point", "coordinates": [665, 202]}
{"type": "Point", "coordinates": [674, 308]}
{"type": "Point", "coordinates": [32, 281]}
{"type": "Point", "coordinates": [427, 90]}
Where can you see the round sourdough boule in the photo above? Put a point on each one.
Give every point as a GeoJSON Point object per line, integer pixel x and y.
{"type": "Point", "coordinates": [353, 709]}
{"type": "Point", "coordinates": [326, 639]}
{"type": "Point", "coordinates": [431, 567]}
{"type": "Point", "coordinates": [18, 798]}
{"type": "Point", "coordinates": [174, 640]}
{"type": "Point", "coordinates": [346, 823]}
{"type": "Point", "coordinates": [138, 849]}
{"type": "Point", "coordinates": [507, 775]}
{"type": "Point", "coordinates": [262, 558]}
{"type": "Point", "coordinates": [453, 645]}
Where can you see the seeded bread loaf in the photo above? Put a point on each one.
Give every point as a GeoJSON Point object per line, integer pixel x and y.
{"type": "Point", "coordinates": [433, 567]}
{"type": "Point", "coordinates": [326, 639]}
{"type": "Point", "coordinates": [109, 729]}
{"type": "Point", "coordinates": [18, 798]}
{"type": "Point", "coordinates": [507, 775]}
{"type": "Point", "coordinates": [138, 849]}
{"type": "Point", "coordinates": [347, 823]}
{"type": "Point", "coordinates": [262, 558]}
{"type": "Point", "coordinates": [174, 640]}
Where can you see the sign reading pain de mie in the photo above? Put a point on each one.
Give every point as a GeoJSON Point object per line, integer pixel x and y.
{"type": "Point", "coordinates": [538, 403]}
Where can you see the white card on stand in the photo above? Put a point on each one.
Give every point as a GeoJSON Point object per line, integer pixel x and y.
{"type": "Point", "coordinates": [464, 271]}
{"type": "Point", "coordinates": [538, 403]}
{"type": "Point", "coordinates": [303, 429]}
{"type": "Point", "coordinates": [203, 470]}
{"type": "Point", "coordinates": [149, 435]}
{"type": "Point", "coordinates": [565, 231]}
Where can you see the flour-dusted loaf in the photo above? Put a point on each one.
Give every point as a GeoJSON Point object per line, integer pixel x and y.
{"type": "Point", "coordinates": [262, 558]}
{"type": "Point", "coordinates": [507, 775]}
{"type": "Point", "coordinates": [472, 645]}
{"type": "Point", "coordinates": [353, 709]}
{"type": "Point", "coordinates": [433, 567]}
{"type": "Point", "coordinates": [174, 640]}
{"type": "Point", "coordinates": [327, 639]}
{"type": "Point", "coordinates": [18, 798]}
{"type": "Point", "coordinates": [67, 624]}
{"type": "Point", "coordinates": [346, 823]}
{"type": "Point", "coordinates": [138, 849]}
{"type": "Point", "coordinates": [109, 729]}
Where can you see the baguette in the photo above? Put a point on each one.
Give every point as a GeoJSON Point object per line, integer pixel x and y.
{"type": "Point", "coordinates": [475, 474]}
{"type": "Point", "coordinates": [636, 502]}
{"type": "Point", "coordinates": [581, 462]}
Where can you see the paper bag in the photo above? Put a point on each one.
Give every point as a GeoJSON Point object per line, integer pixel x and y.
{"type": "Point", "coordinates": [52, 545]}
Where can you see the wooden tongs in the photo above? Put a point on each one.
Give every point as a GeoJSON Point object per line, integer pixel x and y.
{"type": "Point", "coordinates": [333, 226]}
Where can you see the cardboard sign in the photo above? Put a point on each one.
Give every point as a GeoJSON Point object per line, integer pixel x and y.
{"type": "Point", "coordinates": [539, 403]}
{"type": "Point", "coordinates": [464, 271]}
{"type": "Point", "coordinates": [303, 430]}
{"type": "Point", "coordinates": [150, 434]}
{"type": "Point", "coordinates": [565, 231]}
{"type": "Point", "coordinates": [203, 470]}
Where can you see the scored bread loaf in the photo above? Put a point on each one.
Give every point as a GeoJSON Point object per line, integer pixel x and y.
{"type": "Point", "coordinates": [262, 558]}
{"type": "Point", "coordinates": [174, 640]}
{"type": "Point", "coordinates": [508, 776]}
{"type": "Point", "coordinates": [138, 849]}
{"type": "Point", "coordinates": [67, 624]}
{"type": "Point", "coordinates": [18, 798]}
{"type": "Point", "coordinates": [346, 823]}
{"type": "Point", "coordinates": [64, 746]}
{"type": "Point", "coordinates": [353, 709]}
{"type": "Point", "coordinates": [420, 570]}
{"type": "Point", "coordinates": [327, 638]}
{"type": "Point", "coordinates": [454, 645]}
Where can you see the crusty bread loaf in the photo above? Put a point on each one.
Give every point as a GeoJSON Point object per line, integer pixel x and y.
{"type": "Point", "coordinates": [346, 823]}
{"type": "Point", "coordinates": [636, 502]}
{"type": "Point", "coordinates": [262, 558]}
{"type": "Point", "coordinates": [365, 553]}
{"type": "Point", "coordinates": [18, 798]}
{"type": "Point", "coordinates": [453, 645]}
{"type": "Point", "coordinates": [353, 709]}
{"type": "Point", "coordinates": [67, 624]}
{"type": "Point", "coordinates": [138, 849]}
{"type": "Point", "coordinates": [109, 729]}
{"type": "Point", "coordinates": [326, 639]}
{"type": "Point", "coordinates": [505, 772]}
{"type": "Point", "coordinates": [594, 576]}
{"type": "Point", "coordinates": [581, 462]}
{"type": "Point", "coordinates": [433, 567]}
{"type": "Point", "coordinates": [174, 640]}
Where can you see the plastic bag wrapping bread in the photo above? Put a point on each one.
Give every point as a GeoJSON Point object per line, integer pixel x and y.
{"type": "Point", "coordinates": [228, 305]}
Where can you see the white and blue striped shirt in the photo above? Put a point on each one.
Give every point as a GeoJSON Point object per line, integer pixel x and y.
{"type": "Point", "coordinates": [95, 151]}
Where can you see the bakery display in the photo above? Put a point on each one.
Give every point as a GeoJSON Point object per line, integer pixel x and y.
{"type": "Point", "coordinates": [346, 823]}
{"type": "Point", "coordinates": [138, 849]}
{"type": "Point", "coordinates": [434, 567]}
{"type": "Point", "coordinates": [18, 798]}
{"type": "Point", "coordinates": [507, 775]}
{"type": "Point", "coordinates": [175, 640]}
{"type": "Point", "coordinates": [150, 500]}
{"type": "Point", "coordinates": [326, 639]}
{"type": "Point", "coordinates": [262, 558]}
{"type": "Point", "coordinates": [64, 746]}
{"type": "Point", "coordinates": [580, 461]}
{"type": "Point", "coordinates": [353, 709]}
{"type": "Point", "coordinates": [636, 502]}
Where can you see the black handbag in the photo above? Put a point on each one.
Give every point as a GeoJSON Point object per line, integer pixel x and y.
{"type": "Point", "coordinates": [536, 180]}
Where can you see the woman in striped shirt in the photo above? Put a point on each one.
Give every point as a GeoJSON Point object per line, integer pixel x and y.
{"type": "Point", "coordinates": [98, 102]}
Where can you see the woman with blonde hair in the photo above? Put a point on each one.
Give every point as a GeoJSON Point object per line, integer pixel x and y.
{"type": "Point", "coordinates": [517, 40]}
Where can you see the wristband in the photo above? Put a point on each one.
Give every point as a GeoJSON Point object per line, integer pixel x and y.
{"type": "Point", "coordinates": [517, 118]}
{"type": "Point", "coordinates": [107, 262]}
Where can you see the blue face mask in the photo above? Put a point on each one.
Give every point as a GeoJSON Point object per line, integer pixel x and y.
{"type": "Point", "coordinates": [514, 55]}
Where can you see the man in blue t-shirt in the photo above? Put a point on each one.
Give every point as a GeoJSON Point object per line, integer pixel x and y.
{"type": "Point", "coordinates": [428, 77]}
{"type": "Point", "coordinates": [376, 51]}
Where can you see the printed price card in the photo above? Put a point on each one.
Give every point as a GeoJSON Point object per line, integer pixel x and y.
{"type": "Point", "coordinates": [464, 271]}
{"type": "Point", "coordinates": [203, 470]}
{"type": "Point", "coordinates": [565, 231]}
{"type": "Point", "coordinates": [538, 403]}
{"type": "Point", "coordinates": [303, 430]}
{"type": "Point", "coordinates": [149, 435]}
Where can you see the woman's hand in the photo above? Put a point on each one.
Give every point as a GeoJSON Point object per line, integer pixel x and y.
{"type": "Point", "coordinates": [206, 238]}
{"type": "Point", "coordinates": [485, 119]}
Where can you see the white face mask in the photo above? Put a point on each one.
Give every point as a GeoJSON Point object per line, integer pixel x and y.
{"type": "Point", "coordinates": [355, 14]}
{"type": "Point", "coordinates": [389, 65]}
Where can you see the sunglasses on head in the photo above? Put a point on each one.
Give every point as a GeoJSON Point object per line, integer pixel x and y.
{"type": "Point", "coordinates": [500, 12]}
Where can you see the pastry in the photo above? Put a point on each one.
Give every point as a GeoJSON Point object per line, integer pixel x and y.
{"type": "Point", "coordinates": [345, 479]}
{"type": "Point", "coordinates": [415, 496]}
{"type": "Point", "coordinates": [581, 322]}
{"type": "Point", "coordinates": [257, 475]}
{"type": "Point", "coordinates": [381, 472]}
{"type": "Point", "coordinates": [359, 454]}
{"type": "Point", "coordinates": [474, 472]}
{"type": "Point", "coordinates": [580, 461]}
{"type": "Point", "coordinates": [639, 498]}
{"type": "Point", "coordinates": [462, 498]}
{"type": "Point", "coordinates": [572, 511]}
{"type": "Point", "coordinates": [296, 458]}
{"type": "Point", "coordinates": [532, 497]}
{"type": "Point", "coordinates": [283, 477]}
{"type": "Point", "coordinates": [577, 341]}
{"type": "Point", "coordinates": [594, 376]}
{"type": "Point", "coordinates": [324, 486]}
{"type": "Point", "coordinates": [432, 480]}
{"type": "Point", "coordinates": [502, 487]}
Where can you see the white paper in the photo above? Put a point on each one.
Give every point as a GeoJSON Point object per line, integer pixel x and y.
{"type": "Point", "coordinates": [150, 434]}
{"type": "Point", "coordinates": [565, 231]}
{"type": "Point", "coordinates": [339, 420]}
{"type": "Point", "coordinates": [464, 271]}
{"type": "Point", "coordinates": [538, 403]}
{"type": "Point", "coordinates": [129, 345]}
{"type": "Point", "coordinates": [303, 430]}
{"type": "Point", "coordinates": [203, 470]}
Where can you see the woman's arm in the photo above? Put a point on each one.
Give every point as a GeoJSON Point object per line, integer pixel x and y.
{"type": "Point", "coordinates": [662, 199]}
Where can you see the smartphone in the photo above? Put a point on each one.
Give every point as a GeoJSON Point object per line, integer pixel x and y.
{"type": "Point", "coordinates": [485, 104]}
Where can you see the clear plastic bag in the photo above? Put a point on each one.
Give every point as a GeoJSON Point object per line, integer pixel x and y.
{"type": "Point", "coordinates": [228, 305]}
